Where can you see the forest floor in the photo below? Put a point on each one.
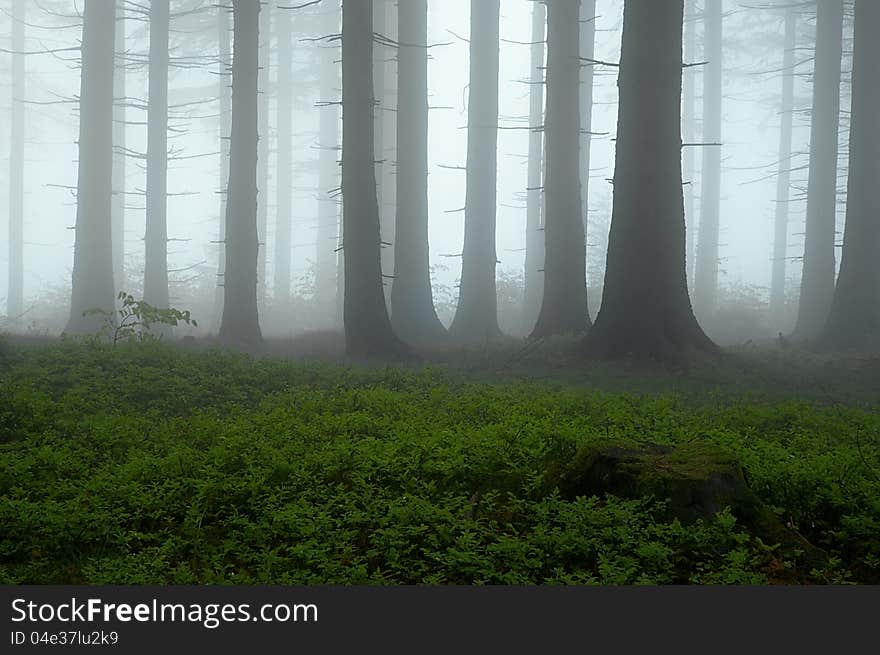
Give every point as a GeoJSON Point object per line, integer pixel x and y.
{"type": "Point", "coordinates": [153, 463]}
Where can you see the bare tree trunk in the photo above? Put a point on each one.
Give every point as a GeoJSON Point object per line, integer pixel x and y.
{"type": "Point", "coordinates": [476, 318]}
{"type": "Point", "coordinates": [15, 296]}
{"type": "Point", "coordinates": [383, 85]}
{"type": "Point", "coordinates": [263, 148]}
{"type": "Point", "coordinates": [706, 265]}
{"type": "Point", "coordinates": [587, 49]}
{"type": "Point", "coordinates": [783, 180]}
{"type": "Point", "coordinates": [817, 281]}
{"type": "Point", "coordinates": [688, 125]}
{"type": "Point", "coordinates": [564, 305]}
{"type": "Point", "coordinates": [224, 94]}
{"type": "Point", "coordinates": [645, 311]}
{"type": "Point", "coordinates": [854, 320]}
{"type": "Point", "coordinates": [283, 188]}
{"type": "Point", "coordinates": [367, 327]}
{"type": "Point", "coordinates": [240, 322]}
{"type": "Point", "coordinates": [117, 203]}
{"type": "Point", "coordinates": [534, 259]}
{"type": "Point", "coordinates": [412, 306]}
{"type": "Point", "coordinates": [156, 239]}
{"type": "Point", "coordinates": [92, 253]}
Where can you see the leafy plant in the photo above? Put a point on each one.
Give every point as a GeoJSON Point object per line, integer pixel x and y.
{"type": "Point", "coordinates": [135, 318]}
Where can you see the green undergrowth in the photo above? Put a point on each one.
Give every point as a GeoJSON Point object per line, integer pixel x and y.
{"type": "Point", "coordinates": [143, 463]}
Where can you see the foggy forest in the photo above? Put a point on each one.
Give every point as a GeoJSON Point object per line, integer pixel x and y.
{"type": "Point", "coordinates": [439, 292]}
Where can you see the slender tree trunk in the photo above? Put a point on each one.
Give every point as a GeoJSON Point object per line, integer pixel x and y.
{"type": "Point", "coordinates": [367, 326]}
{"type": "Point", "coordinates": [564, 305]}
{"type": "Point", "coordinates": [283, 188]}
{"type": "Point", "coordinates": [783, 180]}
{"type": "Point", "coordinates": [263, 148]}
{"type": "Point", "coordinates": [412, 305]}
{"type": "Point", "coordinates": [817, 281]}
{"type": "Point", "coordinates": [854, 320]}
{"type": "Point", "coordinates": [645, 308]}
{"type": "Point", "coordinates": [117, 203]}
{"type": "Point", "coordinates": [383, 84]}
{"type": "Point", "coordinates": [224, 94]}
{"type": "Point", "coordinates": [15, 296]}
{"type": "Point", "coordinates": [240, 322]}
{"type": "Point", "coordinates": [476, 318]}
{"type": "Point", "coordinates": [587, 49]}
{"type": "Point", "coordinates": [688, 124]}
{"type": "Point", "coordinates": [92, 252]}
{"type": "Point", "coordinates": [328, 281]}
{"type": "Point", "coordinates": [534, 259]}
{"type": "Point", "coordinates": [156, 239]}
{"type": "Point", "coordinates": [706, 265]}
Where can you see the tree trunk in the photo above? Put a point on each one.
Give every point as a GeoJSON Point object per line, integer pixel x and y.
{"type": "Point", "coordinates": [412, 305]}
{"type": "Point", "coordinates": [564, 305]}
{"type": "Point", "coordinates": [156, 238]}
{"type": "Point", "coordinates": [15, 296]}
{"type": "Point", "coordinates": [367, 327]}
{"type": "Point", "coordinates": [117, 203]}
{"type": "Point", "coordinates": [783, 180]}
{"type": "Point", "coordinates": [92, 254]}
{"type": "Point", "coordinates": [688, 126]}
{"type": "Point", "coordinates": [283, 188]}
{"type": "Point", "coordinates": [817, 280]}
{"type": "Point", "coordinates": [587, 49]}
{"type": "Point", "coordinates": [383, 120]}
{"type": "Point", "coordinates": [534, 259]}
{"type": "Point", "coordinates": [240, 322]}
{"type": "Point", "coordinates": [645, 309]}
{"type": "Point", "coordinates": [706, 265]}
{"type": "Point", "coordinates": [854, 320]}
{"type": "Point", "coordinates": [476, 318]}
{"type": "Point", "coordinates": [224, 94]}
{"type": "Point", "coordinates": [263, 148]}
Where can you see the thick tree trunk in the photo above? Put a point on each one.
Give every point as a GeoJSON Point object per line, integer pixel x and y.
{"type": "Point", "coordinates": [783, 180]}
{"type": "Point", "coordinates": [564, 304]}
{"type": "Point", "coordinates": [156, 238]}
{"type": "Point", "coordinates": [15, 296]}
{"type": "Point", "coordinates": [224, 95]}
{"type": "Point", "coordinates": [367, 326]}
{"type": "Point", "coordinates": [263, 148]}
{"type": "Point", "coordinates": [706, 265]}
{"type": "Point", "coordinates": [854, 320]}
{"type": "Point", "coordinates": [117, 204]}
{"type": "Point", "coordinates": [646, 312]}
{"type": "Point", "coordinates": [283, 188]}
{"type": "Point", "coordinates": [817, 280]}
{"type": "Point", "coordinates": [412, 305]}
{"type": "Point", "coordinates": [476, 318]}
{"type": "Point", "coordinates": [92, 253]}
{"type": "Point", "coordinates": [240, 322]}
{"type": "Point", "coordinates": [689, 134]}
{"type": "Point", "coordinates": [533, 277]}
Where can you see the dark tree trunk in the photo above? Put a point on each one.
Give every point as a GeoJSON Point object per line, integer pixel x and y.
{"type": "Point", "coordinates": [412, 305]}
{"type": "Point", "coordinates": [706, 265]}
{"type": "Point", "coordinates": [240, 322]}
{"type": "Point", "coordinates": [383, 120]}
{"type": "Point", "coordinates": [688, 126]}
{"type": "Point", "coordinates": [817, 280]}
{"type": "Point", "coordinates": [588, 50]}
{"type": "Point", "coordinates": [645, 308]}
{"type": "Point", "coordinates": [92, 253]}
{"type": "Point", "coordinates": [224, 95]}
{"type": "Point", "coordinates": [854, 320]}
{"type": "Point", "coordinates": [283, 203]}
{"type": "Point", "coordinates": [476, 318]}
{"type": "Point", "coordinates": [117, 206]}
{"type": "Point", "coordinates": [564, 304]}
{"type": "Point", "coordinates": [367, 327]}
{"type": "Point", "coordinates": [15, 296]}
{"type": "Point", "coordinates": [534, 259]}
{"type": "Point", "coordinates": [263, 148]}
{"type": "Point", "coordinates": [156, 237]}
{"type": "Point", "coordinates": [783, 180]}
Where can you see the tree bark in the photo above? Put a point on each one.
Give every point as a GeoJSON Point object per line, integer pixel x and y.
{"type": "Point", "coordinates": [15, 294]}
{"type": "Point", "coordinates": [92, 254]}
{"type": "Point", "coordinates": [854, 320]}
{"type": "Point", "coordinates": [476, 318]}
{"type": "Point", "coordinates": [412, 306]}
{"type": "Point", "coordinates": [587, 49]}
{"type": "Point", "coordinates": [117, 203]}
{"type": "Point", "coordinates": [783, 180]}
{"type": "Point", "coordinates": [367, 326]}
{"type": "Point", "coordinates": [156, 236]}
{"type": "Point", "coordinates": [283, 188]}
{"type": "Point", "coordinates": [706, 265]}
{"type": "Point", "coordinates": [224, 95]}
{"type": "Point", "coordinates": [817, 280]}
{"type": "Point", "coordinates": [534, 260]}
{"type": "Point", "coordinates": [263, 148]}
{"type": "Point", "coordinates": [688, 126]}
{"type": "Point", "coordinates": [240, 321]}
{"type": "Point", "coordinates": [645, 311]}
{"type": "Point", "coordinates": [564, 304]}
{"type": "Point", "coordinates": [384, 119]}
